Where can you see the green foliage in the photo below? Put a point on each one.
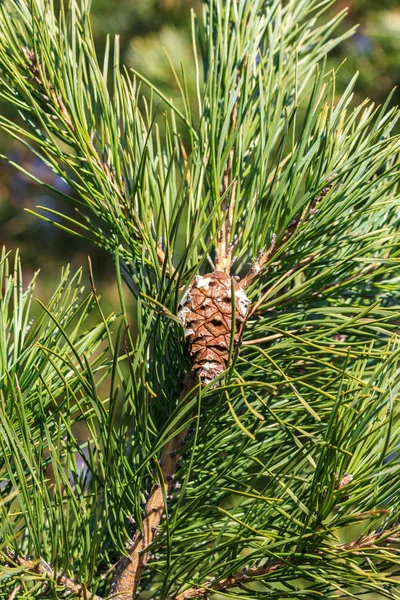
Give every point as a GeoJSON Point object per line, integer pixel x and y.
{"type": "Point", "coordinates": [312, 395]}
{"type": "Point", "coordinates": [51, 368]}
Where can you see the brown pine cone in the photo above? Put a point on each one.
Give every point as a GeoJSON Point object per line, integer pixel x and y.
{"type": "Point", "coordinates": [206, 314]}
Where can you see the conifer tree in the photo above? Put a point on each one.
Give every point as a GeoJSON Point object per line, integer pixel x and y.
{"type": "Point", "coordinates": [241, 427]}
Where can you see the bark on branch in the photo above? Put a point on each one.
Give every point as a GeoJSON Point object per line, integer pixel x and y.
{"type": "Point", "coordinates": [237, 580]}
{"type": "Point", "coordinates": [262, 260]}
{"type": "Point", "coordinates": [223, 254]}
{"type": "Point", "coordinates": [40, 567]}
{"type": "Point", "coordinates": [130, 569]}
{"type": "Point", "coordinates": [53, 98]}
{"type": "Point", "coordinates": [46, 571]}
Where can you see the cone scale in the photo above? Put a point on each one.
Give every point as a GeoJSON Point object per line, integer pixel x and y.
{"type": "Point", "coordinates": [206, 314]}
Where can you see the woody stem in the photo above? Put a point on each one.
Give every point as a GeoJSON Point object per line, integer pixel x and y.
{"type": "Point", "coordinates": [128, 574]}
{"type": "Point", "coordinates": [223, 255]}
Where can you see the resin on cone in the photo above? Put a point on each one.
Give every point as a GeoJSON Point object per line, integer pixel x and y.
{"type": "Point", "coordinates": [206, 314]}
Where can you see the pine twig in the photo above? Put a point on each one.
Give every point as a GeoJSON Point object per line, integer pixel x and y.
{"type": "Point", "coordinates": [259, 265]}
{"type": "Point", "coordinates": [361, 543]}
{"type": "Point", "coordinates": [227, 582]}
{"type": "Point", "coordinates": [15, 592]}
{"type": "Point", "coordinates": [51, 97]}
{"type": "Point", "coordinates": [367, 541]}
{"type": "Point", "coordinates": [40, 567]}
{"type": "Point", "coordinates": [130, 568]}
{"type": "Point", "coordinates": [223, 254]}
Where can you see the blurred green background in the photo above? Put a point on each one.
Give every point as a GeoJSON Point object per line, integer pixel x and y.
{"type": "Point", "coordinates": [146, 28]}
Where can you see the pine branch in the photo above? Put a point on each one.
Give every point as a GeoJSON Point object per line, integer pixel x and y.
{"type": "Point", "coordinates": [260, 264]}
{"type": "Point", "coordinates": [361, 543]}
{"type": "Point", "coordinates": [40, 567]}
{"type": "Point", "coordinates": [367, 541]}
{"type": "Point", "coordinates": [44, 86]}
{"type": "Point", "coordinates": [302, 402]}
{"type": "Point", "coordinates": [15, 592]}
{"type": "Point", "coordinates": [53, 99]}
{"type": "Point", "coordinates": [130, 568]}
{"type": "Point", "coordinates": [223, 254]}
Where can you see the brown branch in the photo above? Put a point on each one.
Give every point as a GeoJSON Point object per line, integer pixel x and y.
{"type": "Point", "coordinates": [345, 480]}
{"type": "Point", "coordinates": [259, 265]}
{"type": "Point", "coordinates": [49, 94]}
{"type": "Point", "coordinates": [223, 254]}
{"type": "Point", "coordinates": [228, 582]}
{"type": "Point", "coordinates": [91, 277]}
{"type": "Point", "coordinates": [367, 541]}
{"type": "Point", "coordinates": [361, 543]}
{"type": "Point", "coordinates": [36, 72]}
{"type": "Point", "coordinates": [130, 568]}
{"type": "Point", "coordinates": [40, 567]}
{"type": "Point", "coordinates": [15, 592]}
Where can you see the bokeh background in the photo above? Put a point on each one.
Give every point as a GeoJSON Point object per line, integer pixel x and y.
{"type": "Point", "coordinates": [148, 28]}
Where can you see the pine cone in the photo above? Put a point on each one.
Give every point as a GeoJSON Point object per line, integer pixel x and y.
{"type": "Point", "coordinates": [206, 314]}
